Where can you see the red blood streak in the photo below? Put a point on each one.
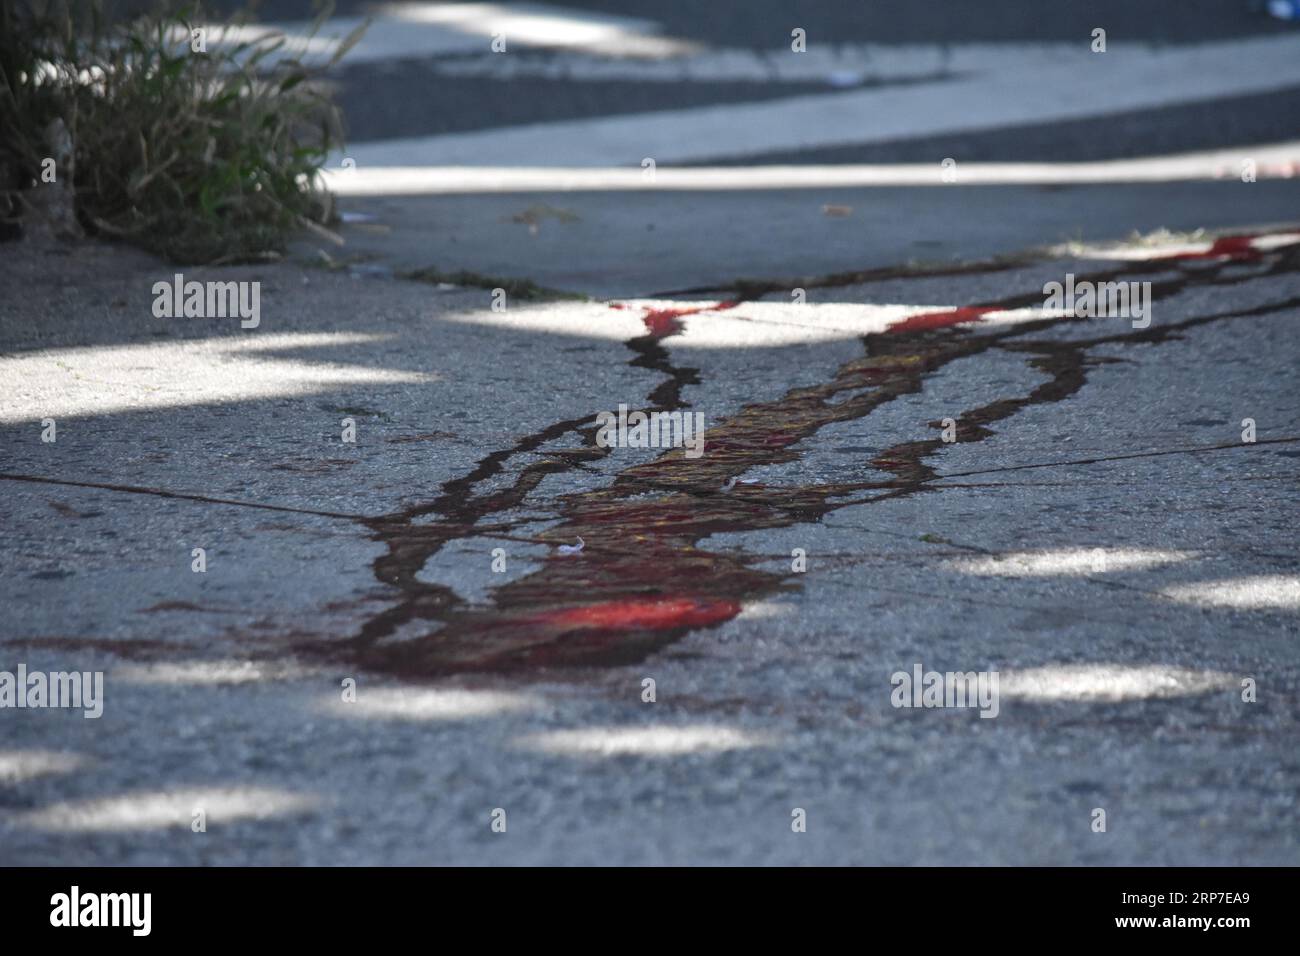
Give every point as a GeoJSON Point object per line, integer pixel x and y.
{"type": "Point", "coordinates": [633, 615]}
{"type": "Point", "coordinates": [1225, 247]}
{"type": "Point", "coordinates": [939, 320]}
{"type": "Point", "coordinates": [664, 322]}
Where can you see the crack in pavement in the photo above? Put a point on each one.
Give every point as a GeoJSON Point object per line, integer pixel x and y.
{"type": "Point", "coordinates": [1191, 450]}
{"type": "Point", "coordinates": [178, 495]}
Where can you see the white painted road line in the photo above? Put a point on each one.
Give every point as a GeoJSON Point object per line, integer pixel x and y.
{"type": "Point", "coordinates": [1031, 91]}
{"type": "Point", "coordinates": [1279, 161]}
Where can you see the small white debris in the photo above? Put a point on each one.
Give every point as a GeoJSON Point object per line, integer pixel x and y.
{"type": "Point", "coordinates": [572, 548]}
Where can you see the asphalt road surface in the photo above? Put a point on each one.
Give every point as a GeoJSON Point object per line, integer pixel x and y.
{"type": "Point", "coordinates": [435, 620]}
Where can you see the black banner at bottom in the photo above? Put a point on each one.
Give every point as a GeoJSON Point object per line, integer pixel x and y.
{"type": "Point", "coordinates": [330, 905]}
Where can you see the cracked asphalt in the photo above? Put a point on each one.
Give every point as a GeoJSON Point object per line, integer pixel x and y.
{"type": "Point", "coordinates": [1099, 535]}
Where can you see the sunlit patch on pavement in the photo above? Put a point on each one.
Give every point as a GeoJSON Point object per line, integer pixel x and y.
{"type": "Point", "coordinates": [759, 610]}
{"type": "Point", "coordinates": [17, 766]}
{"type": "Point", "coordinates": [1262, 592]}
{"type": "Point", "coordinates": [1068, 562]}
{"type": "Point", "coordinates": [164, 809]}
{"type": "Point", "coordinates": [108, 379]}
{"type": "Point", "coordinates": [1109, 682]}
{"type": "Point", "coordinates": [716, 325]}
{"type": "Point", "coordinates": [433, 704]}
{"type": "Point", "coordinates": [645, 741]}
{"type": "Point", "coordinates": [1162, 247]}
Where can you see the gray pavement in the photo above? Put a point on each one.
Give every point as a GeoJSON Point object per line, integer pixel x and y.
{"type": "Point", "coordinates": [670, 241]}
{"type": "Point", "coordinates": [432, 644]}
{"type": "Point", "coordinates": [1120, 668]}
